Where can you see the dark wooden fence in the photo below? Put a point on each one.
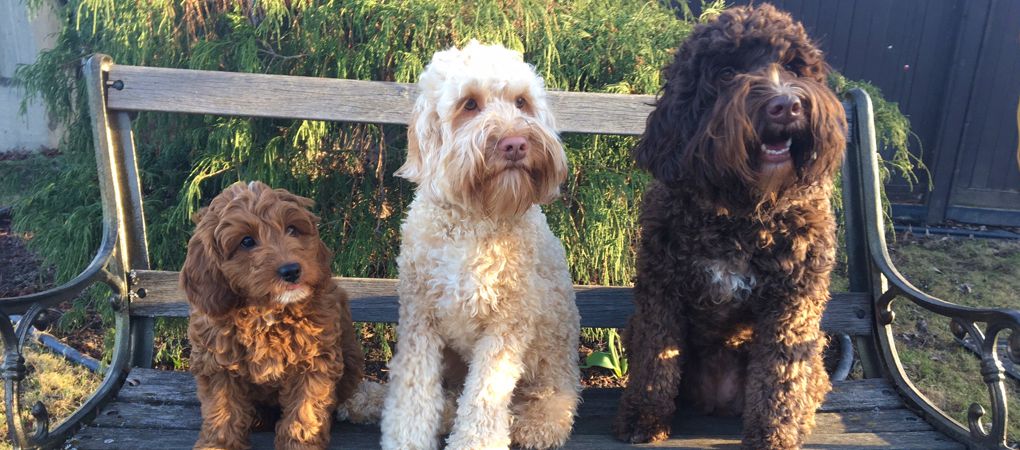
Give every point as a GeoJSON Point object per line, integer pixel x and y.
{"type": "Point", "coordinates": [954, 68]}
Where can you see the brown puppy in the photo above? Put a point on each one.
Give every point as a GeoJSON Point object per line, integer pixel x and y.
{"type": "Point", "coordinates": [268, 325]}
{"type": "Point", "coordinates": [738, 236]}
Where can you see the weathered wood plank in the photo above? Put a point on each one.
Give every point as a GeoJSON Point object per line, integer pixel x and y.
{"type": "Point", "coordinates": [594, 418]}
{"type": "Point", "coordinates": [375, 300]}
{"type": "Point", "coordinates": [853, 395]}
{"type": "Point", "coordinates": [158, 410]}
{"type": "Point", "coordinates": [162, 387]}
{"type": "Point", "coordinates": [229, 93]}
{"type": "Point", "coordinates": [344, 436]}
{"type": "Point", "coordinates": [347, 436]}
{"type": "Point", "coordinates": [912, 440]}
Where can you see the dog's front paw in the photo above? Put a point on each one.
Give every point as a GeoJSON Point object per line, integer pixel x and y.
{"type": "Point", "coordinates": [365, 404]}
{"type": "Point", "coordinates": [398, 441]}
{"type": "Point", "coordinates": [641, 428]}
{"type": "Point", "coordinates": [544, 422]}
{"type": "Point", "coordinates": [224, 443]}
{"type": "Point", "coordinates": [459, 440]}
{"type": "Point", "coordinates": [777, 439]}
{"type": "Point", "coordinates": [539, 435]}
{"type": "Point", "coordinates": [290, 444]}
{"type": "Point", "coordinates": [299, 437]}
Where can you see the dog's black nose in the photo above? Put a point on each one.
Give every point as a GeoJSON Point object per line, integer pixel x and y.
{"type": "Point", "coordinates": [290, 272]}
{"type": "Point", "coordinates": [784, 109]}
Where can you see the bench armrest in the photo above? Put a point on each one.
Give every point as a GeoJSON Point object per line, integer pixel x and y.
{"type": "Point", "coordinates": [116, 256]}
{"type": "Point", "coordinates": [887, 284]}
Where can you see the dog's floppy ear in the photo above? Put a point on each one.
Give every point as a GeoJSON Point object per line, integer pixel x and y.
{"type": "Point", "coordinates": [325, 258]}
{"type": "Point", "coordinates": [660, 149]}
{"type": "Point", "coordinates": [203, 283]}
{"type": "Point", "coordinates": [411, 170]}
{"type": "Point", "coordinates": [414, 167]}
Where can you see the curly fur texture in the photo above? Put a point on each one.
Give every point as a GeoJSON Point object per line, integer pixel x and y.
{"type": "Point", "coordinates": [487, 313]}
{"type": "Point", "coordinates": [738, 237]}
{"type": "Point", "coordinates": [257, 338]}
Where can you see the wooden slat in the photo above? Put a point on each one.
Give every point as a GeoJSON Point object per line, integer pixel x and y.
{"type": "Point", "coordinates": [162, 387]}
{"type": "Point", "coordinates": [280, 96]}
{"type": "Point", "coordinates": [375, 300]}
{"type": "Point", "coordinates": [691, 424]}
{"type": "Point", "coordinates": [915, 440]}
{"type": "Point", "coordinates": [592, 420]}
{"type": "Point", "coordinates": [346, 436]}
{"type": "Point", "coordinates": [158, 410]}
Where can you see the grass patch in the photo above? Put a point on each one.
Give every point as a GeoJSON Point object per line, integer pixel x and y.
{"type": "Point", "coordinates": [54, 381]}
{"type": "Point", "coordinates": [970, 272]}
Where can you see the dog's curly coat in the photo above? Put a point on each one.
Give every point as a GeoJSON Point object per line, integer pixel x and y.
{"type": "Point", "coordinates": [486, 301]}
{"type": "Point", "coordinates": [738, 237]}
{"type": "Point", "coordinates": [268, 325]}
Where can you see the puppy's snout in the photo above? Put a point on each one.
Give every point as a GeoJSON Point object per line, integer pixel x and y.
{"type": "Point", "coordinates": [784, 109]}
{"type": "Point", "coordinates": [513, 148]}
{"type": "Point", "coordinates": [290, 272]}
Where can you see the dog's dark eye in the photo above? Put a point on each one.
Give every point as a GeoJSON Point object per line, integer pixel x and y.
{"type": "Point", "coordinates": [470, 104]}
{"type": "Point", "coordinates": [521, 102]}
{"type": "Point", "coordinates": [247, 242]}
{"type": "Point", "coordinates": [727, 73]}
{"type": "Point", "coordinates": [292, 231]}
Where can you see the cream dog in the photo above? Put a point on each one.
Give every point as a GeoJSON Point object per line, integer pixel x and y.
{"type": "Point", "coordinates": [486, 300]}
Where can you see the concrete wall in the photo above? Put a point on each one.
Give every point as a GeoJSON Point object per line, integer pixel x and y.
{"type": "Point", "coordinates": [22, 36]}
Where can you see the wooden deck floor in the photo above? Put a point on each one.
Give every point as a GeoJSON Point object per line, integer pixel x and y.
{"type": "Point", "coordinates": [159, 410]}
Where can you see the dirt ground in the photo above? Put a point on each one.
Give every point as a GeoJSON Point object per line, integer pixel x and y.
{"type": "Point", "coordinates": [20, 274]}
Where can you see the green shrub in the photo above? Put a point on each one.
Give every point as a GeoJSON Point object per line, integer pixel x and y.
{"type": "Point", "coordinates": [580, 45]}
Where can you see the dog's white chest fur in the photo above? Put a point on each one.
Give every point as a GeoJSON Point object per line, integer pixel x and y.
{"type": "Point", "coordinates": [470, 276]}
{"type": "Point", "coordinates": [477, 279]}
{"type": "Point", "coordinates": [730, 280]}
{"type": "Point", "coordinates": [478, 270]}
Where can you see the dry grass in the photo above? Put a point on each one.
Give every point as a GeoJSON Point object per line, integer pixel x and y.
{"type": "Point", "coordinates": [58, 384]}
{"type": "Point", "coordinates": [971, 272]}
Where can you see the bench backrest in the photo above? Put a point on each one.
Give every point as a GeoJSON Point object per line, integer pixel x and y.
{"type": "Point", "coordinates": [131, 89]}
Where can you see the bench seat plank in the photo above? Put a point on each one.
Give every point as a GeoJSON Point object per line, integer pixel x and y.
{"type": "Point", "coordinates": [347, 436]}
{"type": "Point", "coordinates": [158, 410]}
{"type": "Point", "coordinates": [230, 93]}
{"type": "Point", "coordinates": [163, 387]}
{"type": "Point", "coordinates": [375, 300]}
{"type": "Point", "coordinates": [596, 420]}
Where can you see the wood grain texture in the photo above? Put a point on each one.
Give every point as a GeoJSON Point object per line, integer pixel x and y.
{"type": "Point", "coordinates": [914, 440]}
{"type": "Point", "coordinates": [163, 387]}
{"type": "Point", "coordinates": [596, 417]}
{"type": "Point", "coordinates": [158, 410]}
{"type": "Point", "coordinates": [375, 300]}
{"type": "Point", "coordinates": [280, 96]}
{"type": "Point", "coordinates": [347, 436]}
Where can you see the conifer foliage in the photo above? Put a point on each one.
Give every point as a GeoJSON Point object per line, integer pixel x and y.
{"type": "Point", "coordinates": [577, 45]}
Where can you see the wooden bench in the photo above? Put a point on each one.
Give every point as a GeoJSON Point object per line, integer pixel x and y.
{"type": "Point", "coordinates": [138, 407]}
